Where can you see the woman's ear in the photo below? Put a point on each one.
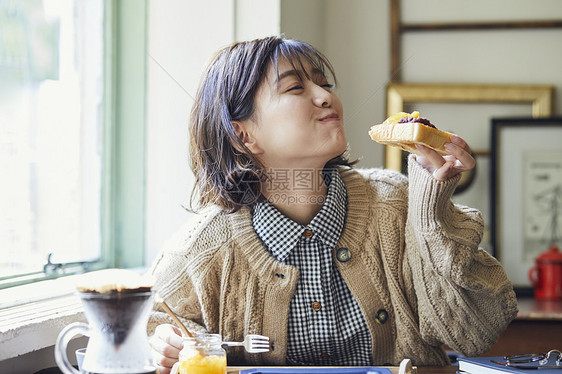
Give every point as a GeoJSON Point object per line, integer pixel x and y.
{"type": "Point", "coordinates": [244, 134]}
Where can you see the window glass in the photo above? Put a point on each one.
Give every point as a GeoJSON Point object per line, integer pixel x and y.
{"type": "Point", "coordinates": [51, 111]}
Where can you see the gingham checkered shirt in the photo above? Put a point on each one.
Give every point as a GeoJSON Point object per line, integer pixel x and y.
{"type": "Point", "coordinates": [336, 333]}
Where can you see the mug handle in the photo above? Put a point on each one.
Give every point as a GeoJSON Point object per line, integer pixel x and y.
{"type": "Point", "coordinates": [61, 357]}
{"type": "Point", "coordinates": [533, 276]}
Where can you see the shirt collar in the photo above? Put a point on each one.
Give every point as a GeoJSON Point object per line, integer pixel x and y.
{"type": "Point", "coordinates": [328, 223]}
{"type": "Point", "coordinates": [281, 234]}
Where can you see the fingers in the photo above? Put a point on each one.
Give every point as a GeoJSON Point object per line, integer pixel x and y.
{"type": "Point", "coordinates": [163, 364]}
{"type": "Point", "coordinates": [161, 370]}
{"type": "Point", "coordinates": [444, 167]}
{"type": "Point", "coordinates": [431, 156]}
{"type": "Point", "coordinates": [166, 345]}
{"type": "Point", "coordinates": [164, 349]}
{"type": "Point", "coordinates": [169, 334]}
{"type": "Point", "coordinates": [462, 152]}
{"type": "Point", "coordinates": [457, 140]}
{"type": "Point", "coordinates": [444, 172]}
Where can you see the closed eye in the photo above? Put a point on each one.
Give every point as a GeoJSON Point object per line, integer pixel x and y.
{"type": "Point", "coordinates": [294, 88]}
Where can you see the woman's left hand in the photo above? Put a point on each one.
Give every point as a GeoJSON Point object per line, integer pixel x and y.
{"type": "Point", "coordinates": [458, 160]}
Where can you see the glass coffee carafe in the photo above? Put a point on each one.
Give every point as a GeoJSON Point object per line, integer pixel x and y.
{"type": "Point", "coordinates": [118, 341]}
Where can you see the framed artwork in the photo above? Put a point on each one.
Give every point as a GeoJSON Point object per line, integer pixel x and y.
{"type": "Point", "coordinates": [526, 192]}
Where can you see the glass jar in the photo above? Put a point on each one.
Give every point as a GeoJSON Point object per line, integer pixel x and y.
{"type": "Point", "coordinates": [202, 354]}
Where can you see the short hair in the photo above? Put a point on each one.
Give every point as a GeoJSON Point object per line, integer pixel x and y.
{"type": "Point", "coordinates": [226, 172]}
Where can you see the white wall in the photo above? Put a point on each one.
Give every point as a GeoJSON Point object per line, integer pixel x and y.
{"type": "Point", "coordinates": [354, 36]}
{"type": "Point", "coordinates": [357, 41]}
{"type": "Point", "coordinates": [256, 18]}
{"type": "Point", "coordinates": [183, 36]}
{"type": "Point", "coordinates": [304, 21]}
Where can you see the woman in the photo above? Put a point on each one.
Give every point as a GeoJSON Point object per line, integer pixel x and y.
{"type": "Point", "coordinates": [336, 266]}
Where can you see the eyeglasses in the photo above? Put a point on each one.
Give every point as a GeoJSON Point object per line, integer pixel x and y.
{"type": "Point", "coordinates": [517, 361]}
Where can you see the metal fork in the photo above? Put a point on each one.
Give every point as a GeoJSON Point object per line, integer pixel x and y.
{"type": "Point", "coordinates": [252, 343]}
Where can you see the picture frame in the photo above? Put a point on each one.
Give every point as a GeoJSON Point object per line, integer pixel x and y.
{"type": "Point", "coordinates": [526, 192]}
{"type": "Point", "coordinates": [540, 97]}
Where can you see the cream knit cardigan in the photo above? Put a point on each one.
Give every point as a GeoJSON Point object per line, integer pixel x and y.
{"type": "Point", "coordinates": [413, 254]}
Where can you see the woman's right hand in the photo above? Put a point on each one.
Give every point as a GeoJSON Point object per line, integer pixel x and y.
{"type": "Point", "coordinates": [166, 345]}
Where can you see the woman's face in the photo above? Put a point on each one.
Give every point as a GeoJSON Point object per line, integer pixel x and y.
{"type": "Point", "coordinates": [297, 123]}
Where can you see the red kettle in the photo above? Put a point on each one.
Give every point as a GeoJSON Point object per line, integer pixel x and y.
{"type": "Point", "coordinates": [546, 275]}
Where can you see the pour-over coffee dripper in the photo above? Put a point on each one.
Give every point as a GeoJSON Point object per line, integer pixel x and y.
{"type": "Point", "coordinates": [118, 341]}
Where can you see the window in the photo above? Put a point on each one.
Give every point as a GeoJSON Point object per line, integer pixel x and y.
{"type": "Point", "coordinates": [86, 59]}
{"type": "Point", "coordinates": [51, 62]}
{"type": "Point", "coordinates": [72, 136]}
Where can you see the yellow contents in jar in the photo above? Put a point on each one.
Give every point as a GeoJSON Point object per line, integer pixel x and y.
{"type": "Point", "coordinates": [398, 116]}
{"type": "Point", "coordinates": [199, 364]}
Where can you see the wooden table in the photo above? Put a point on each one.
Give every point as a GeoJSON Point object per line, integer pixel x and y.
{"type": "Point", "coordinates": [537, 328]}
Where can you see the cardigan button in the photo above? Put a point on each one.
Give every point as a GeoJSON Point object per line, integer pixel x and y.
{"type": "Point", "coordinates": [343, 255]}
{"type": "Point", "coordinates": [381, 316]}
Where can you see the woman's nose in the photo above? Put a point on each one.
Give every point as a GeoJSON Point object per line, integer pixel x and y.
{"type": "Point", "coordinates": [322, 98]}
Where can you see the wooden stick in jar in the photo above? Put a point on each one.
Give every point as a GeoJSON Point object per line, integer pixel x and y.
{"type": "Point", "coordinates": [179, 323]}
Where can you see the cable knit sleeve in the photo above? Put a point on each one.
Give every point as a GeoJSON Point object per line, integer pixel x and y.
{"type": "Point", "coordinates": [183, 300]}
{"type": "Point", "coordinates": [464, 297]}
{"type": "Point", "coordinates": [173, 271]}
